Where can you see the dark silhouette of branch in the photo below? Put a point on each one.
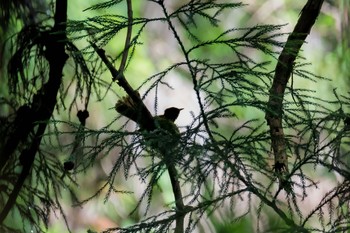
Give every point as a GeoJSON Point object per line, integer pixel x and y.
{"type": "Point", "coordinates": [45, 99]}
{"type": "Point", "coordinates": [145, 119]}
{"type": "Point", "coordinates": [22, 128]}
{"type": "Point", "coordinates": [283, 71]}
{"type": "Point", "coordinates": [180, 207]}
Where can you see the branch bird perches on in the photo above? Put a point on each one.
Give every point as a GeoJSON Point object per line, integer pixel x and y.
{"type": "Point", "coordinates": [133, 107]}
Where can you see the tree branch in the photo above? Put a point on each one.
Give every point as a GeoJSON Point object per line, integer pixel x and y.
{"type": "Point", "coordinates": [145, 117]}
{"type": "Point", "coordinates": [180, 207]}
{"type": "Point", "coordinates": [283, 71]}
{"type": "Point", "coordinates": [45, 99]}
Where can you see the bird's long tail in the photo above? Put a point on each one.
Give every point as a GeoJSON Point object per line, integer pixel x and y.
{"type": "Point", "coordinates": [128, 108]}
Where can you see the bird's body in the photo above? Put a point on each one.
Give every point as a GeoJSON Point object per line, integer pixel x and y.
{"type": "Point", "coordinates": [167, 120]}
{"type": "Point", "coordinates": [165, 124]}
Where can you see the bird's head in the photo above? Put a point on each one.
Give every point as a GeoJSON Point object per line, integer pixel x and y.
{"type": "Point", "coordinates": [172, 113]}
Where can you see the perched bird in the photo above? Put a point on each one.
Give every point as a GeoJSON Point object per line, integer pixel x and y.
{"type": "Point", "coordinates": [165, 136]}
{"type": "Point", "coordinates": [127, 108]}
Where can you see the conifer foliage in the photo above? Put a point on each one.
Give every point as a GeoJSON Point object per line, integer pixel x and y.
{"type": "Point", "coordinates": [222, 165]}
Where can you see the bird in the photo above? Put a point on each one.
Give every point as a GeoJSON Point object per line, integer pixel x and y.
{"type": "Point", "coordinates": [166, 134]}
{"type": "Point", "coordinates": [126, 107]}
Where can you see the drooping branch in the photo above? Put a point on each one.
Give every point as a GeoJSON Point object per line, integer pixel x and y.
{"type": "Point", "coordinates": [283, 71]}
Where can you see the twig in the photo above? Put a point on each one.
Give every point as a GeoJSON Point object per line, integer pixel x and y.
{"type": "Point", "coordinates": [283, 71]}
{"type": "Point", "coordinates": [127, 39]}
